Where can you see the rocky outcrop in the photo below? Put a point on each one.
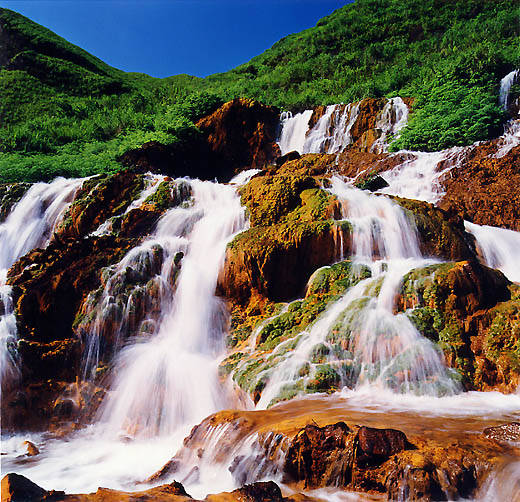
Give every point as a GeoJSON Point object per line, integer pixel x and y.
{"type": "Point", "coordinates": [472, 312]}
{"type": "Point", "coordinates": [16, 488]}
{"type": "Point", "coordinates": [483, 188]}
{"type": "Point", "coordinates": [238, 135]}
{"type": "Point", "coordinates": [292, 234]}
{"type": "Point", "coordinates": [441, 234]}
{"type": "Point", "coordinates": [242, 133]}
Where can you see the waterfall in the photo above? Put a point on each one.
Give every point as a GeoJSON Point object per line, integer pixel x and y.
{"type": "Point", "coordinates": [499, 248]}
{"type": "Point", "coordinates": [170, 380]}
{"type": "Point", "coordinates": [367, 343]}
{"type": "Point", "coordinates": [332, 131]}
{"type": "Point", "coordinates": [293, 129]}
{"type": "Point", "coordinates": [29, 225]}
{"type": "Point", "coordinates": [505, 88]}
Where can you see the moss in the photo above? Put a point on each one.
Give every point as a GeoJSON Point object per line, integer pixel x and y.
{"type": "Point", "coordinates": [281, 334]}
{"type": "Point", "coordinates": [10, 194]}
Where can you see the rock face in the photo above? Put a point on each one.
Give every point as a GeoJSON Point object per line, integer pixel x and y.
{"type": "Point", "coordinates": [483, 188]}
{"type": "Point", "coordinates": [240, 134]}
{"type": "Point", "coordinates": [472, 312]}
{"type": "Point", "coordinates": [51, 285]}
{"type": "Point", "coordinates": [292, 233]}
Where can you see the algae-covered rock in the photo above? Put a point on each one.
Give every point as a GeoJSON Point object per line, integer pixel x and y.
{"type": "Point", "coordinates": [441, 234]}
{"type": "Point", "coordinates": [472, 312]}
{"type": "Point", "coordinates": [292, 234]}
{"type": "Point", "coordinates": [274, 337]}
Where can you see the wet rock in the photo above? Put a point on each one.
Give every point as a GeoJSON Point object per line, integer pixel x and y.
{"type": "Point", "coordinates": [484, 189]}
{"type": "Point", "coordinates": [292, 233]}
{"type": "Point", "coordinates": [255, 492]}
{"type": "Point", "coordinates": [321, 456]}
{"type": "Point", "coordinates": [98, 199]}
{"type": "Point", "coordinates": [506, 432]}
{"type": "Point", "coordinates": [32, 449]}
{"type": "Point", "coordinates": [16, 488]}
{"type": "Point", "coordinates": [372, 183]}
{"type": "Point", "coordinates": [441, 234]}
{"type": "Point", "coordinates": [472, 312]}
{"type": "Point", "coordinates": [376, 445]}
{"type": "Point", "coordinates": [294, 155]}
{"type": "Point", "coordinates": [10, 194]}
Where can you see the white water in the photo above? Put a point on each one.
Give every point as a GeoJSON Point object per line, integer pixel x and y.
{"type": "Point", "coordinates": [292, 136]}
{"type": "Point", "coordinates": [29, 225]}
{"type": "Point", "coordinates": [499, 247]}
{"type": "Point", "coordinates": [171, 380]}
{"type": "Point", "coordinates": [332, 132]}
{"type": "Point", "coordinates": [384, 350]}
{"type": "Point", "coordinates": [505, 87]}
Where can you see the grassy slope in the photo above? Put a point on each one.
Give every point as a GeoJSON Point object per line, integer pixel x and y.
{"type": "Point", "coordinates": [66, 112]}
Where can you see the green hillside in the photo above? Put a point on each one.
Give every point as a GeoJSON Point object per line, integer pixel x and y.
{"type": "Point", "coordinates": [65, 112]}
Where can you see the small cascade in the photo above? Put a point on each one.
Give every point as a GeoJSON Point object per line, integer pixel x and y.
{"type": "Point", "coordinates": [420, 177]}
{"type": "Point", "coordinates": [498, 247]}
{"type": "Point", "coordinates": [332, 132]}
{"type": "Point", "coordinates": [503, 484]}
{"type": "Point", "coordinates": [358, 337]}
{"type": "Point", "coordinates": [390, 122]}
{"type": "Point", "coordinates": [151, 183]}
{"type": "Point", "coordinates": [293, 129]}
{"type": "Point", "coordinates": [29, 225]}
{"type": "Point", "coordinates": [136, 289]}
{"type": "Point", "coordinates": [170, 380]}
{"type": "Point", "coordinates": [227, 456]}
{"type": "Point", "coordinates": [506, 84]}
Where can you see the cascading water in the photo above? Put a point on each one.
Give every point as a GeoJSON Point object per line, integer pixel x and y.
{"type": "Point", "coordinates": [505, 87]}
{"type": "Point", "coordinates": [332, 131]}
{"type": "Point", "coordinates": [293, 129]}
{"type": "Point", "coordinates": [499, 248]}
{"type": "Point", "coordinates": [29, 225]}
{"type": "Point", "coordinates": [366, 343]}
{"type": "Point", "coordinates": [171, 380]}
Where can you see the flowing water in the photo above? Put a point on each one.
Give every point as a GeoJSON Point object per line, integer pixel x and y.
{"type": "Point", "coordinates": [367, 344]}
{"type": "Point", "coordinates": [29, 225]}
{"type": "Point", "coordinates": [165, 363]}
{"type": "Point", "coordinates": [332, 131]}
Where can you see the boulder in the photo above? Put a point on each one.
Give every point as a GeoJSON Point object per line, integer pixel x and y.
{"type": "Point", "coordinates": [321, 456]}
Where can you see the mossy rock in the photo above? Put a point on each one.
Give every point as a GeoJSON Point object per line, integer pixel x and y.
{"type": "Point", "coordinates": [10, 195]}
{"type": "Point", "coordinates": [441, 234]}
{"type": "Point", "coordinates": [472, 313]}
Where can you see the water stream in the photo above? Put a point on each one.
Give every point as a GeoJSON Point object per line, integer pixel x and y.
{"type": "Point", "coordinates": [29, 225]}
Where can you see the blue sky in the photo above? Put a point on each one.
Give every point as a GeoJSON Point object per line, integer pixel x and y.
{"type": "Point", "coordinates": [168, 37]}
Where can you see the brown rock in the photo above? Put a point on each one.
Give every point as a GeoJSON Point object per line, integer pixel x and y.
{"type": "Point", "coordinates": [255, 492]}
{"type": "Point", "coordinates": [321, 456]}
{"type": "Point", "coordinates": [242, 133]}
{"type": "Point", "coordinates": [16, 488]}
{"type": "Point", "coordinates": [376, 445]}
{"type": "Point", "coordinates": [506, 432]}
{"type": "Point", "coordinates": [484, 189]}
{"type": "Point", "coordinates": [32, 449]}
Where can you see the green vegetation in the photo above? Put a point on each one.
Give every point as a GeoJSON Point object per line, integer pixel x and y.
{"type": "Point", "coordinates": [65, 112]}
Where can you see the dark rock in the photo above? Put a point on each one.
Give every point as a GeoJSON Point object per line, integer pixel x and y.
{"type": "Point", "coordinates": [16, 488]}
{"type": "Point", "coordinates": [294, 155]}
{"type": "Point", "coordinates": [256, 492]}
{"type": "Point", "coordinates": [321, 456]}
{"type": "Point", "coordinates": [373, 184]}
{"type": "Point", "coordinates": [376, 445]}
